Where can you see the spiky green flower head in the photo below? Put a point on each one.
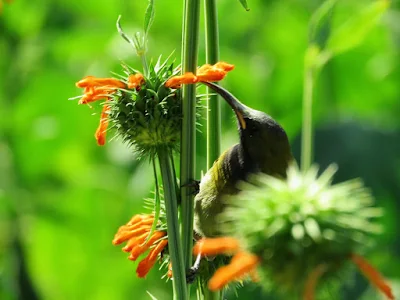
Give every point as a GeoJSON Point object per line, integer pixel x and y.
{"type": "Point", "coordinates": [301, 223]}
{"type": "Point", "coordinates": [148, 116]}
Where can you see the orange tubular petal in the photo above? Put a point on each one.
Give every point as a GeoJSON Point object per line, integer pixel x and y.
{"type": "Point", "coordinates": [203, 69]}
{"type": "Point", "coordinates": [241, 264]}
{"type": "Point", "coordinates": [135, 80]}
{"type": "Point", "coordinates": [91, 81]}
{"type": "Point", "coordinates": [112, 82]}
{"type": "Point", "coordinates": [126, 235]}
{"type": "Point", "coordinates": [146, 264]}
{"type": "Point", "coordinates": [135, 242]}
{"type": "Point", "coordinates": [96, 93]}
{"type": "Point", "coordinates": [215, 72]}
{"type": "Point", "coordinates": [176, 81]}
{"type": "Point", "coordinates": [141, 248]}
{"type": "Point", "coordinates": [372, 274]}
{"type": "Point", "coordinates": [312, 280]}
{"type": "Point", "coordinates": [86, 82]}
{"type": "Point", "coordinates": [138, 218]}
{"type": "Point", "coordinates": [212, 74]}
{"type": "Point", "coordinates": [224, 66]}
{"type": "Point", "coordinates": [214, 246]}
{"type": "Point", "coordinates": [157, 250]}
{"type": "Point", "coordinates": [101, 131]}
{"type": "Point", "coordinates": [144, 267]}
{"type": "Point", "coordinates": [144, 223]}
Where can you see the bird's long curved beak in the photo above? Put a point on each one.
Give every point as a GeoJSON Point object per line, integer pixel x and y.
{"type": "Point", "coordinates": [239, 108]}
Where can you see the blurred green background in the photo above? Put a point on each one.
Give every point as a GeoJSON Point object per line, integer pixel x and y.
{"type": "Point", "coordinates": [62, 197]}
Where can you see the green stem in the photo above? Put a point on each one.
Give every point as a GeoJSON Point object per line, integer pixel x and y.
{"type": "Point", "coordinates": [171, 209]}
{"type": "Point", "coordinates": [307, 133]}
{"type": "Point", "coordinates": [213, 105]}
{"type": "Point", "coordinates": [188, 140]}
{"type": "Point", "coordinates": [209, 295]}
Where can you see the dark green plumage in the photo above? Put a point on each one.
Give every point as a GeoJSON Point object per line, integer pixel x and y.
{"type": "Point", "coordinates": [263, 147]}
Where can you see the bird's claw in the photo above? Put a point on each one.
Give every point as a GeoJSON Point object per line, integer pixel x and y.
{"type": "Point", "coordinates": [191, 274]}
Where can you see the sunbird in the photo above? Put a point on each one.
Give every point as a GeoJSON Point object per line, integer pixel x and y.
{"type": "Point", "coordinates": [263, 147]}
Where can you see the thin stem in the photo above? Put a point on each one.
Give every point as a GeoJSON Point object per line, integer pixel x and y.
{"type": "Point", "coordinates": [145, 65]}
{"type": "Point", "coordinates": [171, 209]}
{"type": "Point", "coordinates": [213, 105]}
{"type": "Point", "coordinates": [307, 134]}
{"type": "Point", "coordinates": [188, 140]}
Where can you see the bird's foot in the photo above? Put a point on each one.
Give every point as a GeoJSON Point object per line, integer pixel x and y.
{"type": "Point", "coordinates": [194, 185]}
{"type": "Point", "coordinates": [191, 274]}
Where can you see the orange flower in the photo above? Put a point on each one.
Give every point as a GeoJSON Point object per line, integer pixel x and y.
{"type": "Point", "coordinates": [242, 263]}
{"type": "Point", "coordinates": [135, 232]}
{"type": "Point", "coordinates": [206, 73]}
{"type": "Point", "coordinates": [102, 88]}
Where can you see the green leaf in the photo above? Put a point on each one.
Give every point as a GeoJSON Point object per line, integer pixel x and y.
{"type": "Point", "coordinates": [353, 32]}
{"type": "Point", "coordinates": [244, 4]}
{"type": "Point", "coordinates": [149, 17]}
{"type": "Point", "coordinates": [320, 18]}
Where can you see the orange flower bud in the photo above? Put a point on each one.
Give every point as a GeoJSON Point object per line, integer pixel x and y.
{"type": "Point", "coordinates": [135, 80]}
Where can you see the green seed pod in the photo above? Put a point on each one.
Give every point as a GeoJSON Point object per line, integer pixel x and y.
{"type": "Point", "coordinates": [299, 224]}
{"type": "Point", "coordinates": [149, 115]}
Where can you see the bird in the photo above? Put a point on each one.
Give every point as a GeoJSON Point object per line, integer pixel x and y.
{"type": "Point", "coordinates": [263, 147]}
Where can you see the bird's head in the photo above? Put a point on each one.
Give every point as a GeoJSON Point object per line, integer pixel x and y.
{"type": "Point", "coordinates": [264, 140]}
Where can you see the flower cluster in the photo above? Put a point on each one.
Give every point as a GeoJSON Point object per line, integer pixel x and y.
{"type": "Point", "coordinates": [145, 110]}
{"type": "Point", "coordinates": [295, 231]}
{"type": "Point", "coordinates": [137, 235]}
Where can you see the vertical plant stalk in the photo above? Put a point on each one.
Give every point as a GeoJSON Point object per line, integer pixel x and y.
{"type": "Point", "coordinates": [307, 129]}
{"type": "Point", "coordinates": [171, 209]}
{"type": "Point", "coordinates": [209, 295]}
{"type": "Point", "coordinates": [213, 105]}
{"type": "Point", "coordinates": [191, 18]}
